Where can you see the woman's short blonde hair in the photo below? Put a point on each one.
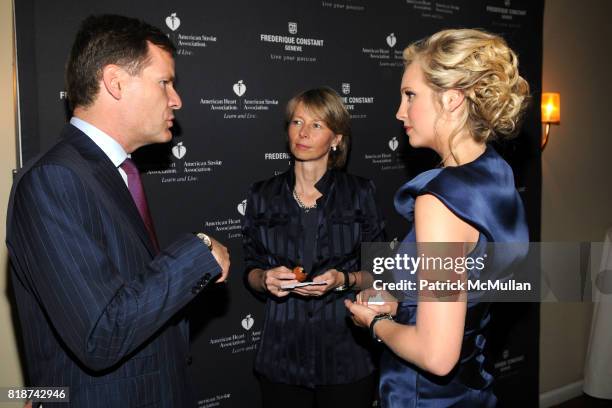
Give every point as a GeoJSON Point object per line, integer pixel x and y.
{"type": "Point", "coordinates": [325, 104]}
{"type": "Point", "coordinates": [484, 69]}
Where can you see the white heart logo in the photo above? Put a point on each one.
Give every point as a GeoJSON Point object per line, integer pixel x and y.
{"type": "Point", "coordinates": [179, 150]}
{"type": "Point", "coordinates": [391, 40]}
{"type": "Point", "coordinates": [393, 243]}
{"type": "Point", "coordinates": [393, 143]}
{"type": "Point", "coordinates": [247, 322]}
{"type": "Point", "coordinates": [239, 88]}
{"type": "Point", "coordinates": [242, 207]}
{"type": "Point", "coordinates": [173, 22]}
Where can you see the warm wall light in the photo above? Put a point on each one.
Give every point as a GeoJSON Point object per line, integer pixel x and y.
{"type": "Point", "coordinates": [551, 113]}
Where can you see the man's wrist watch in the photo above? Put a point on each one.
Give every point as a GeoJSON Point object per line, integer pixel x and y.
{"type": "Point", "coordinates": [376, 319]}
{"type": "Point", "coordinates": [205, 239]}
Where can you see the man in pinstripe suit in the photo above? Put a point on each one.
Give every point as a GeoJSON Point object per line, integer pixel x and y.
{"type": "Point", "coordinates": [99, 304]}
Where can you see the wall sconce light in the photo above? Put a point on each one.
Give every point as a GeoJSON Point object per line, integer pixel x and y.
{"type": "Point", "coordinates": [551, 113]}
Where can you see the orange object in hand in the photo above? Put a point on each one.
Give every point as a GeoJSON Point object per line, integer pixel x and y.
{"type": "Point", "coordinates": [300, 275]}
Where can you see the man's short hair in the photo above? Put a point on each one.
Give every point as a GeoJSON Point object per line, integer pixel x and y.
{"type": "Point", "coordinates": [108, 39]}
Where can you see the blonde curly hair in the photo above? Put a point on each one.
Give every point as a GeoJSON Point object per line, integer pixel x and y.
{"type": "Point", "coordinates": [484, 69]}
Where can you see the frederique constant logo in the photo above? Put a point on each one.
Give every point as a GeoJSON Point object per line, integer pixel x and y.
{"type": "Point", "coordinates": [179, 150]}
{"type": "Point", "coordinates": [346, 88]}
{"type": "Point", "coordinates": [352, 102]}
{"type": "Point", "coordinates": [247, 322]}
{"type": "Point", "coordinates": [173, 22]}
{"type": "Point", "coordinates": [292, 28]}
{"type": "Point", "coordinates": [393, 144]}
{"type": "Point", "coordinates": [242, 207]}
{"type": "Point", "coordinates": [391, 40]}
{"type": "Point", "coordinates": [239, 88]}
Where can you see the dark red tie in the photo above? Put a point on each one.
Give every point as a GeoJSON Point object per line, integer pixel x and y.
{"type": "Point", "coordinates": [140, 199]}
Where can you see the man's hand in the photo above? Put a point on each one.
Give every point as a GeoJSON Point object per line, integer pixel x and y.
{"type": "Point", "coordinates": [222, 257]}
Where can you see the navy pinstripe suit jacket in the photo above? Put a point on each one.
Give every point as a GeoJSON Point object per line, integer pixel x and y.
{"type": "Point", "coordinates": [100, 312]}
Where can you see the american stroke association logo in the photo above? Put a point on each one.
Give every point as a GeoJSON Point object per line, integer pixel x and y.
{"type": "Point", "coordinates": [242, 207]}
{"type": "Point", "coordinates": [187, 43]}
{"type": "Point", "coordinates": [391, 40]}
{"type": "Point", "coordinates": [243, 108]}
{"type": "Point", "coordinates": [239, 88]}
{"type": "Point", "coordinates": [185, 171]}
{"type": "Point", "coordinates": [173, 22]}
{"type": "Point", "coordinates": [248, 322]}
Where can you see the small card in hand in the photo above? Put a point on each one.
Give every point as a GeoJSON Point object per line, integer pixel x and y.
{"type": "Point", "coordinates": [299, 285]}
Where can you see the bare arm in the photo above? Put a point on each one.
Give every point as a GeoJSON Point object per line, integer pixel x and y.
{"type": "Point", "coordinates": [434, 343]}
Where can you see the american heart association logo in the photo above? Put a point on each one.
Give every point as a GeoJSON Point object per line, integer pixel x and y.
{"type": "Point", "coordinates": [247, 322]}
{"type": "Point", "coordinates": [391, 40]}
{"type": "Point", "coordinates": [242, 207]}
{"type": "Point", "coordinates": [393, 244]}
{"type": "Point", "coordinates": [239, 88]}
{"type": "Point", "coordinates": [393, 143]}
{"type": "Point", "coordinates": [173, 22]}
{"type": "Point", "coordinates": [179, 150]}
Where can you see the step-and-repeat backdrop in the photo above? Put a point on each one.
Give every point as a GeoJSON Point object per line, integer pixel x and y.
{"type": "Point", "coordinates": [238, 63]}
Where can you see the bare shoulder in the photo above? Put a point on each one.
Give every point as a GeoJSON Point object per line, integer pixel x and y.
{"type": "Point", "coordinates": [435, 222]}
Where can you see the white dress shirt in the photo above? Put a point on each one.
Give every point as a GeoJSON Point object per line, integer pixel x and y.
{"type": "Point", "coordinates": [111, 148]}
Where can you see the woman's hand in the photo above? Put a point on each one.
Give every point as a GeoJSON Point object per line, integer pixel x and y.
{"type": "Point", "coordinates": [362, 315]}
{"type": "Point", "coordinates": [380, 301]}
{"type": "Point", "coordinates": [273, 280]}
{"type": "Point", "coordinates": [332, 278]}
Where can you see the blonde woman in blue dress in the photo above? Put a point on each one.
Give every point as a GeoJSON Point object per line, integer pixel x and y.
{"type": "Point", "coordinates": [460, 90]}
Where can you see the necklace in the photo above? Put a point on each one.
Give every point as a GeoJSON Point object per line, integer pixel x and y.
{"type": "Point", "coordinates": [303, 206]}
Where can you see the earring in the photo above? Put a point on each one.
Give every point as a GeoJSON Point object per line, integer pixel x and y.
{"type": "Point", "coordinates": [334, 148]}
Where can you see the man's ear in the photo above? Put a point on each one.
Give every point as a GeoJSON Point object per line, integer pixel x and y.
{"type": "Point", "coordinates": [113, 76]}
{"type": "Point", "coordinates": [452, 99]}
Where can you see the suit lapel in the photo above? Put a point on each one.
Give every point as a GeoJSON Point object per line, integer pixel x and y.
{"type": "Point", "coordinates": [114, 191]}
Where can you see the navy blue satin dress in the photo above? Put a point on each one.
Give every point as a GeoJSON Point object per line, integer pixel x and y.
{"type": "Point", "coordinates": [483, 194]}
